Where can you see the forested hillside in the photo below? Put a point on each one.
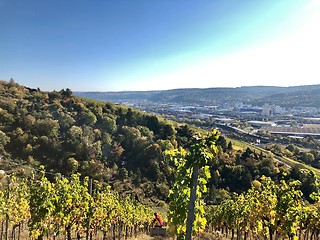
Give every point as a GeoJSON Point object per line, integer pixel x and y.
{"type": "Point", "coordinates": [100, 140]}
{"type": "Point", "coordinates": [118, 145]}
{"type": "Point", "coordinates": [301, 98]}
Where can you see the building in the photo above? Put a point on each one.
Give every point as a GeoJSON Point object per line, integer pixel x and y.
{"type": "Point", "coordinates": [267, 111]}
{"type": "Point", "coordinates": [261, 124]}
{"type": "Point", "coordinates": [294, 131]}
{"type": "Point", "coordinates": [271, 110]}
{"type": "Point", "coordinates": [224, 121]}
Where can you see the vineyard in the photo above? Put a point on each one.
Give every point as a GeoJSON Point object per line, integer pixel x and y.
{"type": "Point", "coordinates": [71, 209]}
{"type": "Point", "coordinates": [79, 208]}
{"type": "Point", "coordinates": [267, 211]}
{"type": "Point", "coordinates": [68, 209]}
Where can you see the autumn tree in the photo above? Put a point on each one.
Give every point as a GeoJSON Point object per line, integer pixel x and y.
{"type": "Point", "coordinates": [188, 186]}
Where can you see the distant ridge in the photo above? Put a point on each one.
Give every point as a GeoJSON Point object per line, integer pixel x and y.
{"type": "Point", "coordinates": [304, 95]}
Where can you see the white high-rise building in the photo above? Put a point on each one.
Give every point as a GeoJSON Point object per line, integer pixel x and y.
{"type": "Point", "coordinates": [267, 111]}
{"type": "Point", "coordinates": [271, 110]}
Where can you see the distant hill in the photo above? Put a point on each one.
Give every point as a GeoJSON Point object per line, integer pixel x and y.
{"type": "Point", "coordinates": [305, 97]}
{"type": "Point", "coordinates": [308, 95]}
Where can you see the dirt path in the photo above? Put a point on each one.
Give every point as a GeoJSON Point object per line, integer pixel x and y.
{"type": "Point", "coordinates": [147, 237]}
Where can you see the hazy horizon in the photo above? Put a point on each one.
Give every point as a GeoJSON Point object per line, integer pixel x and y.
{"type": "Point", "coordinates": [159, 45]}
{"type": "Point", "coordinates": [200, 88]}
{"type": "Point", "coordinates": [154, 90]}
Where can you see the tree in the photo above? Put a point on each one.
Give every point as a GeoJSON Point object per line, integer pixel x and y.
{"type": "Point", "coordinates": [42, 195]}
{"type": "Point", "coordinates": [105, 207]}
{"type": "Point", "coordinates": [131, 120]}
{"type": "Point", "coordinates": [109, 124]}
{"type": "Point", "coordinates": [222, 142]}
{"type": "Point", "coordinates": [14, 206]}
{"type": "Point", "coordinates": [48, 127]}
{"type": "Point", "coordinates": [307, 157]}
{"type": "Point", "coordinates": [186, 189]}
{"type": "Point", "coordinates": [66, 93]}
{"type": "Point", "coordinates": [72, 165]}
{"type": "Point", "coordinates": [66, 121]}
{"type": "Point", "coordinates": [153, 123]}
{"type": "Point", "coordinates": [168, 131]}
{"type": "Point", "coordinates": [288, 205]}
{"type": "Point", "coordinates": [123, 173]}
{"type": "Point", "coordinates": [290, 147]}
{"type": "Point", "coordinates": [71, 203]}
{"type": "Point", "coordinates": [4, 139]}
{"type": "Point", "coordinates": [6, 118]}
{"type": "Point", "coordinates": [88, 118]}
{"type": "Point", "coordinates": [165, 144]}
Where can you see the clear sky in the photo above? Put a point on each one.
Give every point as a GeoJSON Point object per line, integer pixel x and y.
{"type": "Point", "coordinates": [112, 45]}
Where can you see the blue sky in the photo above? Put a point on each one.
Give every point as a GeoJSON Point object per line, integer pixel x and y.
{"type": "Point", "coordinates": [107, 45]}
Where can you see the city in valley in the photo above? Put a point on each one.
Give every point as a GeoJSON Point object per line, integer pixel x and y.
{"type": "Point", "coordinates": [258, 115]}
{"type": "Point", "coordinates": [263, 124]}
